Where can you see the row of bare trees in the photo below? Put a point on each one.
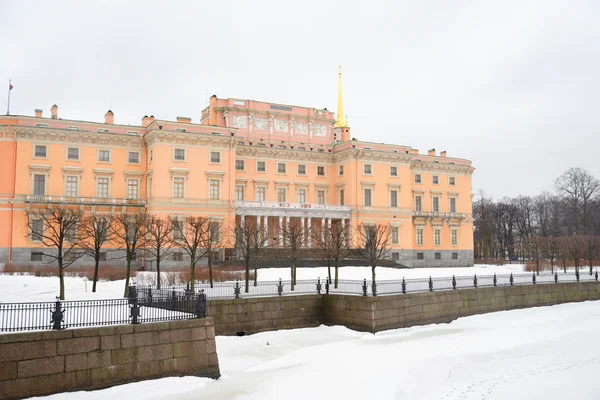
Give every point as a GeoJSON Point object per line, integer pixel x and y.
{"type": "Point", "coordinates": [563, 225]}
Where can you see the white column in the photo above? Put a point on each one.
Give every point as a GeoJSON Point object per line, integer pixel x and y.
{"type": "Point", "coordinates": [242, 220]}
{"type": "Point", "coordinates": [329, 224]}
{"type": "Point", "coordinates": [267, 233]}
{"type": "Point", "coordinates": [259, 225]}
{"type": "Point", "coordinates": [343, 225]}
{"type": "Point", "coordinates": [309, 223]}
{"type": "Point", "coordinates": [322, 228]}
{"type": "Point", "coordinates": [303, 232]}
{"type": "Point", "coordinates": [287, 227]}
{"type": "Point", "coordinates": [280, 233]}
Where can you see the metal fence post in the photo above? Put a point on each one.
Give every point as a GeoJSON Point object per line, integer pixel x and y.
{"type": "Point", "coordinates": [364, 287]}
{"type": "Point", "coordinates": [280, 287]}
{"type": "Point", "coordinates": [430, 284]}
{"type": "Point", "coordinates": [201, 305]}
{"type": "Point", "coordinates": [319, 285]}
{"type": "Point", "coordinates": [495, 280]}
{"type": "Point", "coordinates": [134, 314]}
{"type": "Point", "coordinates": [403, 286]}
{"type": "Point", "coordinates": [327, 286]}
{"type": "Point", "coordinates": [475, 281]}
{"type": "Point", "coordinates": [453, 282]}
{"type": "Point", "coordinates": [556, 277]}
{"type": "Point", "coordinates": [236, 290]}
{"type": "Point", "coordinates": [533, 278]}
{"type": "Point", "coordinates": [511, 279]}
{"type": "Point", "coordinates": [57, 315]}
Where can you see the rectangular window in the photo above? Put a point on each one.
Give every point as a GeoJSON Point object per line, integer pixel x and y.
{"type": "Point", "coordinates": [394, 234]}
{"type": "Point", "coordinates": [454, 237]}
{"type": "Point", "coordinates": [394, 198]}
{"type": "Point", "coordinates": [239, 165]}
{"type": "Point", "coordinates": [215, 157]}
{"type": "Point", "coordinates": [367, 169]}
{"type": "Point", "coordinates": [301, 169]}
{"type": "Point", "coordinates": [132, 189]}
{"type": "Point", "coordinates": [37, 230]}
{"type": "Point", "coordinates": [177, 229]}
{"type": "Point", "coordinates": [104, 155]}
{"type": "Point", "coordinates": [420, 236]}
{"type": "Point", "coordinates": [40, 150]}
{"type": "Point", "coordinates": [418, 203]}
{"type": "Point", "coordinates": [178, 187]}
{"type": "Point", "coordinates": [71, 189]}
{"type": "Point", "coordinates": [393, 171]}
{"type": "Point", "coordinates": [179, 154]}
{"type": "Point", "coordinates": [435, 204]}
{"type": "Point", "coordinates": [301, 196]}
{"type": "Point", "coordinates": [261, 194]}
{"type": "Point", "coordinates": [341, 197]}
{"type": "Point", "coordinates": [71, 234]}
{"type": "Point", "coordinates": [320, 170]}
{"type": "Point", "coordinates": [438, 256]}
{"type": "Point", "coordinates": [39, 184]}
{"type": "Point", "coordinates": [214, 186]}
{"type": "Point", "coordinates": [261, 166]}
{"type": "Point", "coordinates": [36, 256]}
{"type": "Point", "coordinates": [178, 256]}
{"type": "Point", "coordinates": [134, 157]}
{"type": "Point", "coordinates": [452, 204]}
{"type": "Point", "coordinates": [367, 197]}
{"type": "Point", "coordinates": [320, 197]}
{"type": "Point", "coordinates": [341, 170]}
{"type": "Point", "coordinates": [437, 237]}
{"type": "Point", "coordinates": [417, 178]}
{"type": "Point", "coordinates": [239, 192]}
{"type": "Point", "coordinates": [452, 181]}
{"type": "Point", "coordinates": [455, 256]}
{"type": "Point", "coordinates": [281, 168]}
{"type": "Point", "coordinates": [435, 179]}
{"type": "Point", "coordinates": [102, 188]}
{"type": "Point", "coordinates": [395, 256]}
{"type": "Point", "coordinates": [73, 153]}
{"type": "Point", "coordinates": [420, 256]}
{"type": "Point", "coordinates": [281, 195]}
{"type": "Point", "coordinates": [102, 256]}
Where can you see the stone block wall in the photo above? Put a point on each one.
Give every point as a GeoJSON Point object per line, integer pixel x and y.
{"type": "Point", "coordinates": [41, 363]}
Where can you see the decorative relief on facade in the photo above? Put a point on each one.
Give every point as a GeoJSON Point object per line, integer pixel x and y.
{"type": "Point", "coordinates": [240, 121]}
{"type": "Point", "coordinates": [81, 137]}
{"type": "Point", "coordinates": [281, 126]}
{"type": "Point", "coordinates": [301, 128]}
{"type": "Point", "coordinates": [320, 130]}
{"type": "Point", "coordinates": [280, 154]}
{"type": "Point", "coordinates": [261, 124]}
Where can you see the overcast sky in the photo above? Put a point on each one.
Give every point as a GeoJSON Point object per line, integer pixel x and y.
{"type": "Point", "coordinates": [511, 85]}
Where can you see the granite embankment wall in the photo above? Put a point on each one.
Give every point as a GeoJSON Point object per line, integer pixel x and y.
{"type": "Point", "coordinates": [40, 363]}
{"type": "Point", "coordinates": [374, 314]}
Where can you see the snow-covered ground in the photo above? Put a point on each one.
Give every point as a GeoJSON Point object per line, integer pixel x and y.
{"type": "Point", "coordinates": [538, 353]}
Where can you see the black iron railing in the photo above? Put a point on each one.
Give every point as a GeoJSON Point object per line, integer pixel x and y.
{"type": "Point", "coordinates": [365, 287]}
{"type": "Point", "coordinates": [137, 309]}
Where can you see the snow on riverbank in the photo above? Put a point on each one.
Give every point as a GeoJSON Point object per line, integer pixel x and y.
{"type": "Point", "coordinates": [538, 353]}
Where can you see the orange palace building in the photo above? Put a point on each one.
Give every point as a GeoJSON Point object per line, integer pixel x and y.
{"type": "Point", "coordinates": [245, 159]}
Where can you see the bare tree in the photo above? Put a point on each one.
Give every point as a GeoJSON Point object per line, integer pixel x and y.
{"type": "Point", "coordinates": [189, 237]}
{"type": "Point", "coordinates": [250, 241]}
{"type": "Point", "coordinates": [576, 249]}
{"type": "Point", "coordinates": [534, 246]}
{"type": "Point", "coordinates": [579, 189]}
{"type": "Point", "coordinates": [375, 241]}
{"type": "Point", "coordinates": [591, 245]}
{"type": "Point", "coordinates": [56, 229]}
{"type": "Point", "coordinates": [563, 252]}
{"type": "Point", "coordinates": [295, 234]}
{"type": "Point", "coordinates": [333, 243]}
{"type": "Point", "coordinates": [551, 250]}
{"type": "Point", "coordinates": [95, 233]}
{"type": "Point", "coordinates": [212, 242]}
{"type": "Point", "coordinates": [158, 240]}
{"type": "Point", "coordinates": [128, 230]}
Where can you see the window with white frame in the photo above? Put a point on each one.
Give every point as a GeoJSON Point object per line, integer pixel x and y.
{"type": "Point", "coordinates": [261, 193]}
{"type": "Point", "coordinates": [239, 192]}
{"type": "Point", "coordinates": [215, 157]}
{"type": "Point", "coordinates": [320, 197]}
{"type": "Point", "coordinates": [341, 170]}
{"type": "Point", "coordinates": [394, 234]}
{"type": "Point", "coordinates": [301, 169]}
{"type": "Point", "coordinates": [301, 196]}
{"type": "Point", "coordinates": [133, 189]}
{"type": "Point", "coordinates": [452, 204]}
{"type": "Point", "coordinates": [418, 203]}
{"type": "Point", "coordinates": [133, 157]}
{"type": "Point", "coordinates": [393, 198]}
{"type": "Point", "coordinates": [367, 193]}
{"type": "Point", "coordinates": [435, 204]}
{"type": "Point", "coordinates": [281, 195]}
{"type": "Point", "coordinates": [37, 230]}
{"type": "Point", "coordinates": [419, 236]}
{"type": "Point", "coordinates": [417, 178]}
{"type": "Point", "coordinates": [420, 256]}
{"type": "Point", "coordinates": [452, 181]}
{"type": "Point", "coordinates": [341, 197]}
{"type": "Point", "coordinates": [102, 189]}
{"type": "Point", "coordinates": [261, 166]}
{"type": "Point", "coordinates": [240, 165]}
{"type": "Point", "coordinates": [320, 170]}
{"type": "Point", "coordinates": [73, 153]}
{"type": "Point", "coordinates": [281, 168]}
{"type": "Point", "coordinates": [179, 154]}
{"type": "Point", "coordinates": [437, 236]}
{"type": "Point", "coordinates": [39, 184]}
{"type": "Point", "coordinates": [178, 227]}
{"type": "Point", "coordinates": [367, 169]}
{"type": "Point", "coordinates": [178, 184]}
{"type": "Point", "coordinates": [71, 186]}
{"type": "Point", "coordinates": [435, 179]}
{"type": "Point", "coordinates": [214, 189]}
{"type": "Point", "coordinates": [393, 171]}
{"type": "Point", "coordinates": [71, 234]}
{"type": "Point", "coordinates": [454, 237]}
{"type": "Point", "coordinates": [104, 155]}
{"type": "Point", "coordinates": [40, 150]}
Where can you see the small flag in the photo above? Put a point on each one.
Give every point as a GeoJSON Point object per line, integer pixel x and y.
{"type": "Point", "coordinates": [10, 86]}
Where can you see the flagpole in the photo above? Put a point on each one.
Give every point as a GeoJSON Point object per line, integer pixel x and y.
{"type": "Point", "coordinates": [8, 106]}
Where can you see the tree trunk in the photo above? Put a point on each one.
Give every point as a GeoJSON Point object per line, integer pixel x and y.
{"type": "Point", "coordinates": [127, 272]}
{"type": "Point", "coordinates": [292, 270]}
{"type": "Point", "coordinates": [210, 277]}
{"type": "Point", "coordinates": [158, 270]}
{"type": "Point", "coordinates": [336, 274]}
{"type": "Point", "coordinates": [537, 266]}
{"type": "Point", "coordinates": [62, 280]}
{"type": "Point", "coordinates": [373, 274]}
{"type": "Point", "coordinates": [590, 264]}
{"type": "Point", "coordinates": [96, 267]}
{"type": "Point", "coordinates": [255, 274]}
{"type": "Point", "coordinates": [192, 273]}
{"type": "Point", "coordinates": [247, 278]}
{"type": "Point", "coordinates": [329, 271]}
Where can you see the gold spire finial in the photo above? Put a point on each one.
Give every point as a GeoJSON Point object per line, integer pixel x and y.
{"type": "Point", "coordinates": [339, 122]}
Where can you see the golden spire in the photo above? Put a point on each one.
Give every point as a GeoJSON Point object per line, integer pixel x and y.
{"type": "Point", "coordinates": [339, 122]}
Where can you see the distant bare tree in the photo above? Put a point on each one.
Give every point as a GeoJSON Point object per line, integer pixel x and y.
{"type": "Point", "coordinates": [333, 243]}
{"type": "Point", "coordinates": [95, 233]}
{"type": "Point", "coordinates": [551, 250]}
{"type": "Point", "coordinates": [579, 189]}
{"type": "Point", "coordinates": [56, 229]}
{"type": "Point", "coordinates": [158, 240]}
{"type": "Point", "coordinates": [212, 242]}
{"type": "Point", "coordinates": [563, 252]}
{"type": "Point", "coordinates": [250, 241]}
{"type": "Point", "coordinates": [295, 234]}
{"type": "Point", "coordinates": [375, 241]}
{"type": "Point", "coordinates": [591, 245]}
{"type": "Point", "coordinates": [534, 246]}
{"type": "Point", "coordinates": [128, 230]}
{"type": "Point", "coordinates": [189, 238]}
{"type": "Point", "coordinates": [576, 249]}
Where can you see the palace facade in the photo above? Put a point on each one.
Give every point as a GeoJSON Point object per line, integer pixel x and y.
{"type": "Point", "coordinates": [246, 159]}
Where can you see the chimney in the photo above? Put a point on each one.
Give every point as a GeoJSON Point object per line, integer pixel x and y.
{"type": "Point", "coordinates": [184, 120]}
{"type": "Point", "coordinates": [145, 121]}
{"type": "Point", "coordinates": [38, 113]}
{"type": "Point", "coordinates": [345, 134]}
{"type": "Point", "coordinates": [54, 111]}
{"type": "Point", "coordinates": [431, 152]}
{"type": "Point", "coordinates": [413, 151]}
{"type": "Point", "coordinates": [150, 119]}
{"type": "Point", "coordinates": [109, 118]}
{"type": "Point", "coordinates": [443, 153]}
